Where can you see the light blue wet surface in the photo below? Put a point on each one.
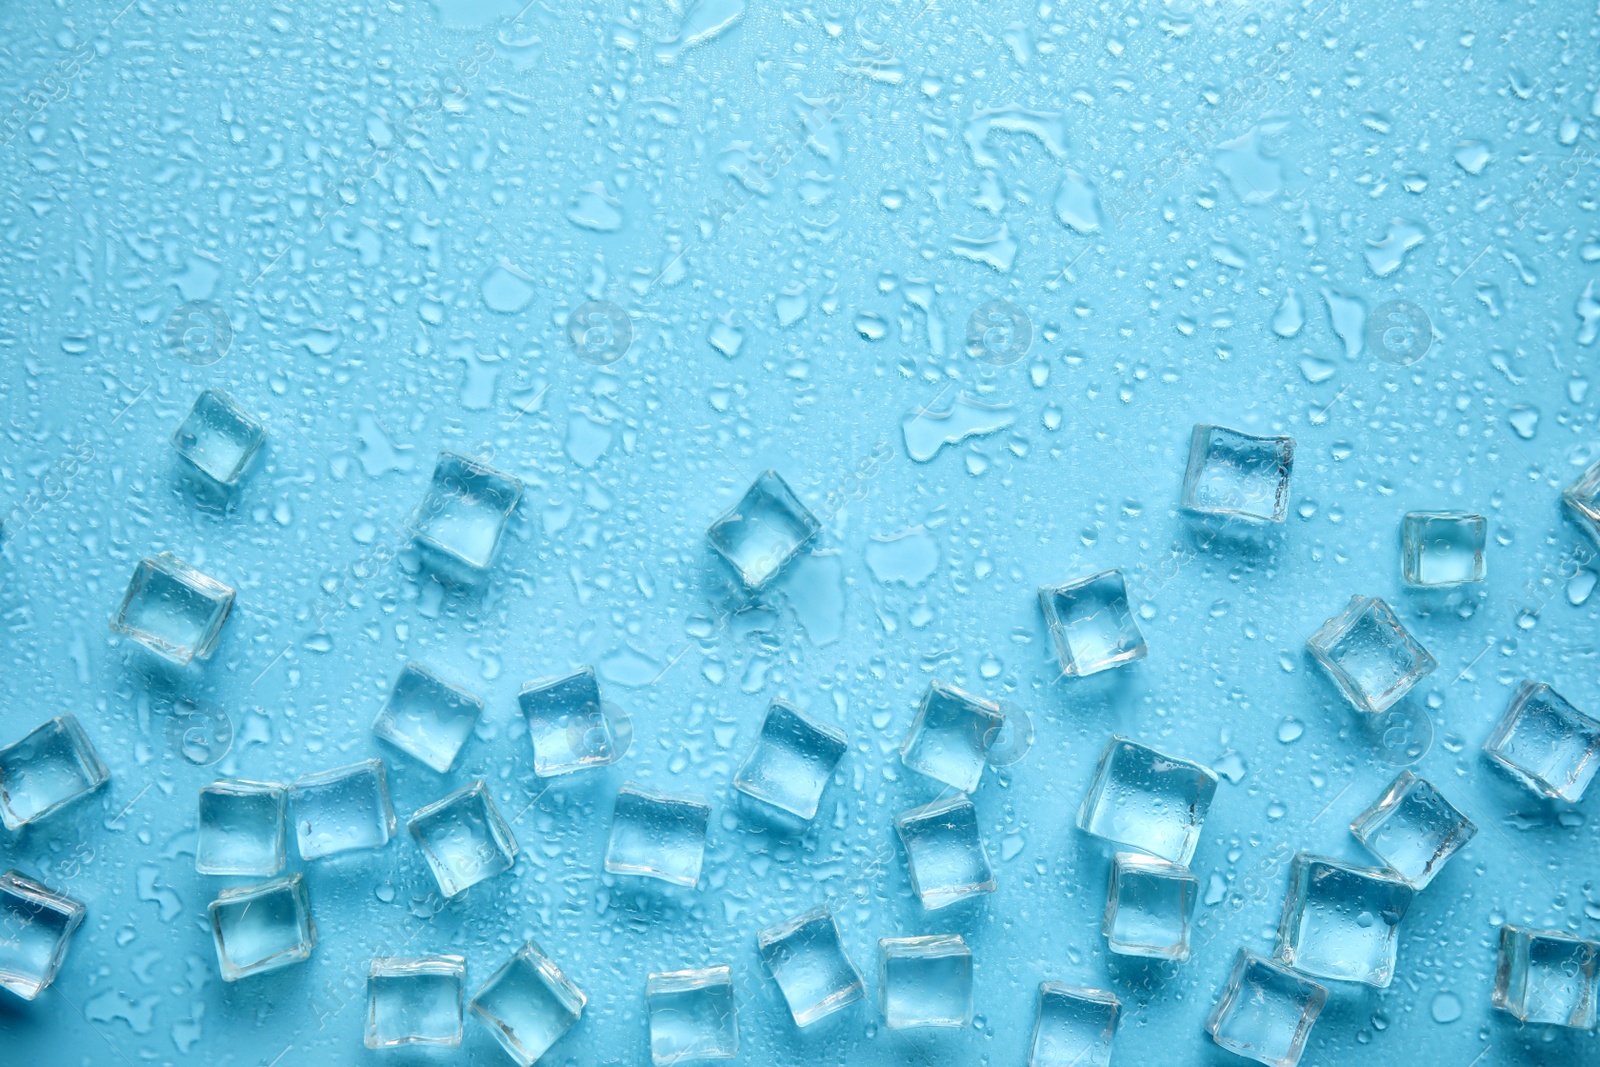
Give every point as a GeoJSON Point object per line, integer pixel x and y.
{"type": "Point", "coordinates": [1197, 208]}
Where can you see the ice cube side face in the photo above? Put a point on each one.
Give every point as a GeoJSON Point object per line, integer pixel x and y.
{"type": "Point", "coordinates": [1073, 1027]}
{"type": "Point", "coordinates": [1266, 1011]}
{"type": "Point", "coordinates": [760, 534]}
{"type": "Point", "coordinates": [242, 828]}
{"type": "Point", "coordinates": [567, 724]}
{"type": "Point", "coordinates": [173, 610]}
{"type": "Point", "coordinates": [261, 928]}
{"type": "Point", "coordinates": [464, 513]}
{"type": "Point", "coordinates": [1238, 475]}
{"type": "Point", "coordinates": [1547, 976]}
{"type": "Point", "coordinates": [427, 717]}
{"type": "Point", "coordinates": [49, 768]}
{"type": "Point", "coordinates": [1546, 744]}
{"type": "Point", "coordinates": [36, 927]}
{"type": "Point", "coordinates": [1148, 800]}
{"type": "Point", "coordinates": [944, 852]}
{"type": "Point", "coordinates": [925, 981]}
{"type": "Point", "coordinates": [414, 1001]}
{"type": "Point", "coordinates": [1340, 921]}
{"type": "Point", "coordinates": [1091, 624]}
{"type": "Point", "coordinates": [345, 809]}
{"type": "Point", "coordinates": [1439, 549]}
{"type": "Point", "coordinates": [528, 1004]}
{"type": "Point", "coordinates": [792, 761]}
{"type": "Point", "coordinates": [1369, 655]}
{"type": "Point", "coordinates": [807, 959]}
{"type": "Point", "coordinates": [219, 438]}
{"type": "Point", "coordinates": [1582, 498]}
{"type": "Point", "coordinates": [658, 835]}
{"type": "Point", "coordinates": [1148, 905]}
{"type": "Point", "coordinates": [1413, 829]}
{"type": "Point", "coordinates": [693, 1016]}
{"type": "Point", "coordinates": [949, 738]}
{"type": "Point", "coordinates": [464, 838]}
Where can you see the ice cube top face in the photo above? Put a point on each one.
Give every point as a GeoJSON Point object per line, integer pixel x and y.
{"type": "Point", "coordinates": [1266, 1011]}
{"type": "Point", "coordinates": [466, 510]}
{"type": "Point", "coordinates": [945, 852]}
{"type": "Point", "coordinates": [1371, 658]}
{"type": "Point", "coordinates": [567, 724]}
{"type": "Point", "coordinates": [427, 717]}
{"type": "Point", "coordinates": [415, 1001]}
{"type": "Point", "coordinates": [1148, 907]}
{"type": "Point", "coordinates": [1148, 800]}
{"type": "Point", "coordinates": [343, 810]}
{"type": "Point", "coordinates": [925, 981]}
{"type": "Point", "coordinates": [1091, 624]}
{"type": "Point", "coordinates": [1413, 829]}
{"type": "Point", "coordinates": [692, 1016]}
{"type": "Point", "coordinates": [1340, 921]}
{"type": "Point", "coordinates": [173, 610]}
{"type": "Point", "coordinates": [1546, 976]}
{"type": "Point", "coordinates": [792, 760]}
{"type": "Point", "coordinates": [763, 531]}
{"type": "Point", "coordinates": [807, 960]}
{"type": "Point", "coordinates": [261, 928]}
{"type": "Point", "coordinates": [464, 839]}
{"type": "Point", "coordinates": [658, 835]}
{"type": "Point", "coordinates": [36, 924]}
{"type": "Point", "coordinates": [1547, 744]}
{"type": "Point", "coordinates": [528, 1005]}
{"type": "Point", "coordinates": [1442, 548]}
{"type": "Point", "coordinates": [46, 770]}
{"type": "Point", "coordinates": [1582, 498]}
{"type": "Point", "coordinates": [218, 437]}
{"type": "Point", "coordinates": [948, 740]}
{"type": "Point", "coordinates": [1238, 475]}
{"type": "Point", "coordinates": [241, 828]}
{"type": "Point", "coordinates": [1073, 1027]}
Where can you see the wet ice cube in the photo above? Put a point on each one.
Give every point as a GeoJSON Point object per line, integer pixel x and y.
{"type": "Point", "coordinates": [1266, 1011]}
{"type": "Point", "coordinates": [172, 609]}
{"type": "Point", "coordinates": [528, 1005]}
{"type": "Point", "coordinates": [1582, 497]}
{"type": "Point", "coordinates": [1439, 548]}
{"type": "Point", "coordinates": [1148, 907]}
{"type": "Point", "coordinates": [342, 810]}
{"type": "Point", "coordinates": [692, 1016]}
{"type": "Point", "coordinates": [945, 852]}
{"type": "Point", "coordinates": [1371, 658]}
{"type": "Point", "coordinates": [218, 437]}
{"type": "Point", "coordinates": [1546, 976]}
{"type": "Point", "coordinates": [1413, 829]}
{"type": "Point", "coordinates": [259, 928]}
{"type": "Point", "coordinates": [427, 717]}
{"type": "Point", "coordinates": [658, 835]}
{"type": "Point", "coordinates": [568, 725]}
{"type": "Point", "coordinates": [807, 960]}
{"type": "Point", "coordinates": [1547, 744]}
{"type": "Point", "coordinates": [793, 758]}
{"type": "Point", "coordinates": [1341, 921]}
{"type": "Point", "coordinates": [47, 769]}
{"type": "Point", "coordinates": [241, 828]}
{"type": "Point", "coordinates": [464, 838]}
{"type": "Point", "coordinates": [415, 1001]}
{"type": "Point", "coordinates": [925, 981]}
{"type": "Point", "coordinates": [36, 924]}
{"type": "Point", "coordinates": [1238, 475]}
{"type": "Point", "coordinates": [1092, 624]}
{"type": "Point", "coordinates": [763, 531]}
{"type": "Point", "coordinates": [950, 736]}
{"type": "Point", "coordinates": [1073, 1027]}
{"type": "Point", "coordinates": [461, 519]}
{"type": "Point", "coordinates": [1149, 800]}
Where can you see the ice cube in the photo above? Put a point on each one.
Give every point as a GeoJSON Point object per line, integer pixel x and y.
{"type": "Point", "coordinates": [1439, 548]}
{"type": "Point", "coordinates": [427, 717]}
{"type": "Point", "coordinates": [793, 759]}
{"type": "Point", "coordinates": [568, 724]}
{"type": "Point", "coordinates": [808, 961]}
{"type": "Point", "coordinates": [36, 924]}
{"type": "Point", "coordinates": [658, 835]}
{"type": "Point", "coordinates": [1148, 907]}
{"type": "Point", "coordinates": [1091, 624]}
{"type": "Point", "coordinates": [528, 1005]}
{"type": "Point", "coordinates": [415, 1001]}
{"type": "Point", "coordinates": [1238, 475]}
{"type": "Point", "coordinates": [945, 852]}
{"type": "Point", "coordinates": [950, 737]}
{"type": "Point", "coordinates": [1074, 1027]}
{"type": "Point", "coordinates": [173, 610]}
{"type": "Point", "coordinates": [259, 928]}
{"type": "Point", "coordinates": [1583, 498]}
{"type": "Point", "coordinates": [1146, 799]}
{"type": "Point", "coordinates": [1369, 655]}
{"type": "Point", "coordinates": [241, 828]}
{"type": "Point", "coordinates": [1413, 829]}
{"type": "Point", "coordinates": [925, 981]}
{"type": "Point", "coordinates": [46, 770]}
{"type": "Point", "coordinates": [1341, 921]}
{"type": "Point", "coordinates": [692, 1016]}
{"type": "Point", "coordinates": [763, 531]}
{"type": "Point", "coordinates": [461, 519]}
{"type": "Point", "coordinates": [342, 810]}
{"type": "Point", "coordinates": [218, 437]}
{"type": "Point", "coordinates": [1266, 1011]}
{"type": "Point", "coordinates": [464, 838]}
{"type": "Point", "coordinates": [1547, 744]}
{"type": "Point", "coordinates": [1547, 976]}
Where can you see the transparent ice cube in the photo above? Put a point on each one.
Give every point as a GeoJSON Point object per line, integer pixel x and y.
{"type": "Point", "coordinates": [241, 828]}
{"type": "Point", "coordinates": [807, 960]}
{"type": "Point", "coordinates": [461, 519]}
{"type": "Point", "coordinates": [1440, 548]}
{"type": "Point", "coordinates": [342, 810]}
{"type": "Point", "coordinates": [1266, 1011]}
{"type": "Point", "coordinates": [415, 1001]}
{"type": "Point", "coordinates": [173, 610]}
{"type": "Point", "coordinates": [945, 852]}
{"type": "Point", "coordinates": [763, 531]}
{"type": "Point", "coordinates": [793, 759]}
{"type": "Point", "coordinates": [1092, 624]}
{"type": "Point", "coordinates": [925, 981]}
{"type": "Point", "coordinates": [1413, 829]}
{"type": "Point", "coordinates": [218, 437]}
{"type": "Point", "coordinates": [1341, 921]}
{"type": "Point", "coordinates": [948, 740]}
{"type": "Point", "coordinates": [1073, 1027]}
{"type": "Point", "coordinates": [1547, 976]}
{"type": "Point", "coordinates": [427, 717]}
{"type": "Point", "coordinates": [1582, 497]}
{"type": "Point", "coordinates": [528, 1005]}
{"type": "Point", "coordinates": [658, 835]}
{"type": "Point", "coordinates": [568, 725]}
{"type": "Point", "coordinates": [49, 768]}
{"type": "Point", "coordinates": [1238, 475]}
{"type": "Point", "coordinates": [1148, 907]}
{"type": "Point", "coordinates": [1547, 744]}
{"type": "Point", "coordinates": [36, 924]}
{"type": "Point", "coordinates": [1371, 658]}
{"type": "Point", "coordinates": [1146, 799]}
{"type": "Point", "coordinates": [464, 838]}
{"type": "Point", "coordinates": [692, 1016]}
{"type": "Point", "coordinates": [259, 928]}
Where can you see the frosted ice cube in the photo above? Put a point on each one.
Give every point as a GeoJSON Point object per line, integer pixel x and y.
{"type": "Point", "coordinates": [1341, 921]}
{"type": "Point", "coordinates": [568, 725]}
{"type": "Point", "coordinates": [1547, 976]}
{"type": "Point", "coordinates": [342, 810]}
{"type": "Point", "coordinates": [925, 981]}
{"type": "Point", "coordinates": [427, 717]}
{"type": "Point", "coordinates": [1092, 624]}
{"type": "Point", "coordinates": [464, 838]}
{"type": "Point", "coordinates": [809, 964]}
{"type": "Point", "coordinates": [658, 835]}
{"type": "Point", "coordinates": [1148, 907]}
{"type": "Point", "coordinates": [173, 610]}
{"type": "Point", "coordinates": [945, 852]}
{"type": "Point", "coordinates": [260, 928]}
{"type": "Point", "coordinates": [1144, 798]}
{"type": "Point", "coordinates": [763, 531]}
{"type": "Point", "coordinates": [36, 924]}
{"type": "Point", "coordinates": [415, 1001]}
{"type": "Point", "coordinates": [1413, 829]}
{"type": "Point", "coordinates": [1371, 658]}
{"type": "Point", "coordinates": [793, 759]}
{"type": "Point", "coordinates": [528, 1005]}
{"type": "Point", "coordinates": [1238, 475]}
{"type": "Point", "coordinates": [1266, 1011]}
{"type": "Point", "coordinates": [950, 736]}
{"type": "Point", "coordinates": [241, 828]}
{"type": "Point", "coordinates": [1074, 1027]}
{"type": "Point", "coordinates": [692, 1016]}
{"type": "Point", "coordinates": [1547, 744]}
{"type": "Point", "coordinates": [218, 437]}
{"type": "Point", "coordinates": [1582, 497]}
{"type": "Point", "coordinates": [49, 768]}
{"type": "Point", "coordinates": [461, 519]}
{"type": "Point", "coordinates": [1439, 548]}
